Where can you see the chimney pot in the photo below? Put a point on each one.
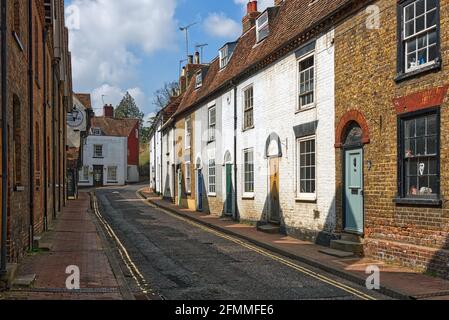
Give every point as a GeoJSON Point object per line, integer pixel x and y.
{"type": "Point", "coordinates": [190, 59]}
{"type": "Point", "coordinates": [251, 6]}
{"type": "Point", "coordinates": [197, 58]}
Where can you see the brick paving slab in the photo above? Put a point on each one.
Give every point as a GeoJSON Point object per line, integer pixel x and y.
{"type": "Point", "coordinates": [396, 281]}
{"type": "Point", "coordinates": [74, 241]}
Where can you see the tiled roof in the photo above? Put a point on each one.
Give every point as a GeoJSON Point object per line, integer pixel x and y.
{"type": "Point", "coordinates": [85, 99]}
{"type": "Point", "coordinates": [293, 19]}
{"type": "Point", "coordinates": [172, 107]}
{"type": "Point", "coordinates": [113, 126]}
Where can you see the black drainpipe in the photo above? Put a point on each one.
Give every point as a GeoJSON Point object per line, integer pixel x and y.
{"type": "Point", "coordinates": [236, 216]}
{"type": "Point", "coordinates": [4, 123]}
{"type": "Point", "coordinates": [53, 123]}
{"type": "Point", "coordinates": [45, 182]}
{"type": "Point", "coordinates": [31, 110]}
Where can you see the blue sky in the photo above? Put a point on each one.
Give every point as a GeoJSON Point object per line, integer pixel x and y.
{"type": "Point", "coordinates": [136, 45]}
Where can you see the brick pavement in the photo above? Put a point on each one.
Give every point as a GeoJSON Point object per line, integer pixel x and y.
{"type": "Point", "coordinates": [396, 281]}
{"type": "Point", "coordinates": [73, 241]}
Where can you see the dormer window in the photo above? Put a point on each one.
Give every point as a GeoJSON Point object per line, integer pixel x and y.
{"type": "Point", "coordinates": [262, 26]}
{"type": "Point", "coordinates": [199, 79]}
{"type": "Point", "coordinates": [226, 53]}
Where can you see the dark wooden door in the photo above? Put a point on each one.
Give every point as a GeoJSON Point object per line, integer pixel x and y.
{"type": "Point", "coordinates": [98, 176]}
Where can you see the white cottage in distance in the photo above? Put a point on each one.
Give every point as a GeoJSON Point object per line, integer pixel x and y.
{"type": "Point", "coordinates": [110, 154]}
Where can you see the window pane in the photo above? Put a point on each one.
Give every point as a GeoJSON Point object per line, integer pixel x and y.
{"type": "Point", "coordinates": [412, 167]}
{"type": "Point", "coordinates": [432, 167]}
{"type": "Point", "coordinates": [431, 145]}
{"type": "Point", "coordinates": [420, 24]}
{"type": "Point", "coordinates": [431, 125]}
{"type": "Point", "coordinates": [420, 146]}
{"type": "Point", "coordinates": [431, 4]}
{"type": "Point", "coordinates": [420, 127]}
{"type": "Point", "coordinates": [431, 19]}
{"type": "Point", "coordinates": [420, 6]}
{"type": "Point", "coordinates": [433, 53]}
{"type": "Point", "coordinates": [410, 28]}
{"type": "Point", "coordinates": [409, 12]}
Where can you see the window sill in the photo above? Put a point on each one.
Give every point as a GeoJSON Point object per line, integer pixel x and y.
{"type": "Point", "coordinates": [411, 74]}
{"type": "Point", "coordinates": [248, 129]}
{"type": "Point", "coordinates": [212, 195]}
{"type": "Point", "coordinates": [112, 182]}
{"type": "Point", "coordinates": [305, 108]}
{"type": "Point", "coordinates": [210, 141]}
{"type": "Point", "coordinates": [310, 199]}
{"type": "Point", "coordinates": [98, 157]}
{"type": "Point", "coordinates": [248, 196]}
{"type": "Point", "coordinates": [419, 202]}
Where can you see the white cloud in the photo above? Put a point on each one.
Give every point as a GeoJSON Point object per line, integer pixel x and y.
{"type": "Point", "coordinates": [218, 25]}
{"type": "Point", "coordinates": [261, 4]}
{"type": "Point", "coordinates": [110, 35]}
{"type": "Point", "coordinates": [147, 118]}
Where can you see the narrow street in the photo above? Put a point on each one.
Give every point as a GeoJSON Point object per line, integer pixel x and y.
{"type": "Point", "coordinates": [183, 261]}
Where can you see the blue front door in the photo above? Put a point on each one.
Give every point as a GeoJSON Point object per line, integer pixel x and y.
{"type": "Point", "coordinates": [200, 191]}
{"type": "Point", "coordinates": [353, 192]}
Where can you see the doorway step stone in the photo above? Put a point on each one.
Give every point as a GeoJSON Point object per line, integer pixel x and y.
{"type": "Point", "coordinates": [269, 228]}
{"type": "Point", "coordinates": [349, 243]}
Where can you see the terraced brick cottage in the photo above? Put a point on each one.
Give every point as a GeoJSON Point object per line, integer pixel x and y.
{"type": "Point", "coordinates": [392, 115]}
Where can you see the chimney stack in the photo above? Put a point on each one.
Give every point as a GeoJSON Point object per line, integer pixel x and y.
{"type": "Point", "coordinates": [190, 59]}
{"type": "Point", "coordinates": [197, 58]}
{"type": "Point", "coordinates": [108, 111]}
{"type": "Point", "coordinates": [249, 20]}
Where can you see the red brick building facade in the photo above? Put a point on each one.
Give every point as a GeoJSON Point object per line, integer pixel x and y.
{"type": "Point", "coordinates": [392, 103]}
{"type": "Point", "coordinates": [38, 93]}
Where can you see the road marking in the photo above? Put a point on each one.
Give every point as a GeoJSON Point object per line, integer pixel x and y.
{"type": "Point", "coordinates": [265, 253]}
{"type": "Point", "coordinates": [133, 269]}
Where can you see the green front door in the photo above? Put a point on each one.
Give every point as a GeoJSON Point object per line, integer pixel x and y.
{"type": "Point", "coordinates": [229, 189]}
{"type": "Point", "coordinates": [353, 192]}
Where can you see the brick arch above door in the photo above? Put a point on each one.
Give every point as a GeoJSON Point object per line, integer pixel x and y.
{"type": "Point", "coordinates": [345, 121]}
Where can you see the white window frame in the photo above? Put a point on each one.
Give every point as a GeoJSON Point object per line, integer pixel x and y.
{"type": "Point", "coordinates": [109, 179]}
{"type": "Point", "coordinates": [199, 79]}
{"type": "Point", "coordinates": [188, 134]}
{"type": "Point", "coordinates": [224, 57]}
{"type": "Point", "coordinates": [298, 81]}
{"type": "Point", "coordinates": [188, 177]}
{"type": "Point", "coordinates": [212, 125]}
{"type": "Point", "coordinates": [97, 155]}
{"type": "Point", "coordinates": [245, 109]}
{"type": "Point", "coordinates": [84, 174]}
{"type": "Point", "coordinates": [248, 194]}
{"type": "Point", "coordinates": [212, 165]}
{"type": "Point", "coordinates": [305, 196]}
{"type": "Point", "coordinates": [416, 35]}
{"type": "Point", "coordinates": [260, 27]}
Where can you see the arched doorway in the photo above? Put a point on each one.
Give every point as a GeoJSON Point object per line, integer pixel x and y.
{"type": "Point", "coordinates": [273, 152]}
{"type": "Point", "coordinates": [353, 191]}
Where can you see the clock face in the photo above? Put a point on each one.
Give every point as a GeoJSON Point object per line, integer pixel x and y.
{"type": "Point", "coordinates": [75, 119]}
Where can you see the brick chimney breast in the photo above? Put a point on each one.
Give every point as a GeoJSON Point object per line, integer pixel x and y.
{"type": "Point", "coordinates": [249, 20]}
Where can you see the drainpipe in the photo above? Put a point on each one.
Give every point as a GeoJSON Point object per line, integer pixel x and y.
{"type": "Point", "coordinates": [235, 154]}
{"type": "Point", "coordinates": [53, 135]}
{"type": "Point", "coordinates": [31, 110]}
{"type": "Point", "coordinates": [44, 42]}
{"type": "Point", "coordinates": [4, 123]}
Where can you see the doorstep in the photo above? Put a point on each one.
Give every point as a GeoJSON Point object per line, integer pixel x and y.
{"type": "Point", "coordinates": [396, 281]}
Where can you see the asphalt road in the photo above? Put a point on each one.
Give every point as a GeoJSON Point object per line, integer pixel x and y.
{"type": "Point", "coordinates": [181, 261]}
